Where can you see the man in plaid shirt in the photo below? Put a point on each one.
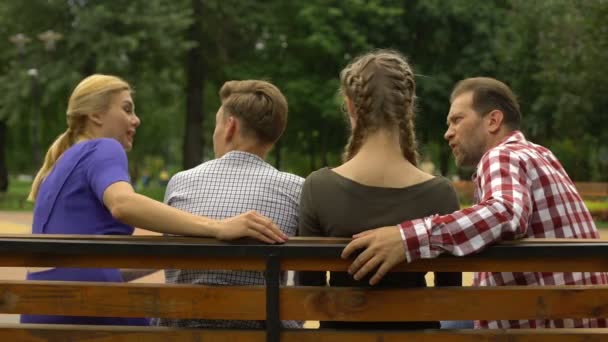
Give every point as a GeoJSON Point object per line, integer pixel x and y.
{"type": "Point", "coordinates": [522, 191]}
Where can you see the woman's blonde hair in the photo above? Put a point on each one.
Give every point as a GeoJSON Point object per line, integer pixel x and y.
{"type": "Point", "coordinates": [92, 95]}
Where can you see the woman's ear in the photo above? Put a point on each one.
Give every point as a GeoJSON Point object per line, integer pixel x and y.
{"type": "Point", "coordinates": [96, 119]}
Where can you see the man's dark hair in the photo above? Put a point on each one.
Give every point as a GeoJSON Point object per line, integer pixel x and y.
{"type": "Point", "coordinates": [490, 94]}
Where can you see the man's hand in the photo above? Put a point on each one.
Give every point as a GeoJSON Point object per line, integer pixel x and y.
{"type": "Point", "coordinates": [250, 224]}
{"type": "Point", "coordinates": [382, 249]}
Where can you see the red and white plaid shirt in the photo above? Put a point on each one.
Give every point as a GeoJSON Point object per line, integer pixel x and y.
{"type": "Point", "coordinates": [522, 191]}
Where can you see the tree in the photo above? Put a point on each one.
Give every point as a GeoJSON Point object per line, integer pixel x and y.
{"type": "Point", "coordinates": [560, 64]}
{"type": "Point", "coordinates": [140, 41]}
{"type": "Point", "coordinates": [178, 53]}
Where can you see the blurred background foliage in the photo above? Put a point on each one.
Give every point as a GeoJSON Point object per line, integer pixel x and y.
{"type": "Point", "coordinates": [178, 53]}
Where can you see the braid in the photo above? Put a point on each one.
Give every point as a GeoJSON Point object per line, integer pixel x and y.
{"type": "Point", "coordinates": [360, 93]}
{"type": "Point", "coordinates": [407, 139]}
{"type": "Point", "coordinates": [362, 102]}
{"type": "Point", "coordinates": [382, 90]}
{"type": "Point", "coordinates": [400, 103]}
{"type": "Point", "coordinates": [407, 131]}
{"type": "Point", "coordinates": [354, 141]}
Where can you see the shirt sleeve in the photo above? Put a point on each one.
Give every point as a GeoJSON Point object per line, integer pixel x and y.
{"type": "Point", "coordinates": [502, 213]}
{"type": "Point", "coordinates": [169, 190]}
{"type": "Point", "coordinates": [309, 226]}
{"type": "Point", "coordinates": [107, 165]}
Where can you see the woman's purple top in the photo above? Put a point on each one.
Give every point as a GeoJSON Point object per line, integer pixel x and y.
{"type": "Point", "coordinates": [70, 201]}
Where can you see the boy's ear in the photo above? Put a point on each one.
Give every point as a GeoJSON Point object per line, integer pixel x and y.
{"type": "Point", "coordinates": [231, 127]}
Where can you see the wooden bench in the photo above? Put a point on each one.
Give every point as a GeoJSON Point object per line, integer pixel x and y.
{"type": "Point", "coordinates": [592, 190]}
{"type": "Point", "coordinates": [273, 303]}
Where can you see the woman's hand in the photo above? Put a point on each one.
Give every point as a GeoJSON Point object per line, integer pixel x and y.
{"type": "Point", "coordinates": [250, 224]}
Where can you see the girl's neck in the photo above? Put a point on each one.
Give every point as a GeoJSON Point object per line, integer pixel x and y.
{"type": "Point", "coordinates": [381, 146]}
{"type": "Point", "coordinates": [380, 162]}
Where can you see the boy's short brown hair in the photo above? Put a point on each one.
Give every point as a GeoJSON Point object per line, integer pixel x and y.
{"type": "Point", "coordinates": [259, 105]}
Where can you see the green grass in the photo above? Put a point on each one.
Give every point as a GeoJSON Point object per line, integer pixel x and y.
{"type": "Point", "coordinates": [597, 205]}
{"type": "Point", "coordinates": [19, 187]}
{"type": "Point", "coordinates": [15, 198]}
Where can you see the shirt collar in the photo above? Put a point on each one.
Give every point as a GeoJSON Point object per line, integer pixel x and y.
{"type": "Point", "coordinates": [242, 155]}
{"type": "Point", "coordinates": [514, 137]}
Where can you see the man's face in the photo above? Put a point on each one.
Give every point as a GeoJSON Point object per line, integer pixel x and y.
{"type": "Point", "coordinates": [466, 132]}
{"type": "Point", "coordinates": [219, 140]}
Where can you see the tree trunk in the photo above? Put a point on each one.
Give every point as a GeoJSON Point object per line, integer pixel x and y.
{"type": "Point", "coordinates": [3, 169]}
{"type": "Point", "coordinates": [35, 122]}
{"type": "Point", "coordinates": [277, 155]}
{"type": "Point", "coordinates": [193, 147]}
{"type": "Point", "coordinates": [90, 66]}
{"type": "Point", "coordinates": [444, 159]}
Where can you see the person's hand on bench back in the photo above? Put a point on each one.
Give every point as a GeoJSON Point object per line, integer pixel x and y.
{"type": "Point", "coordinates": [250, 224]}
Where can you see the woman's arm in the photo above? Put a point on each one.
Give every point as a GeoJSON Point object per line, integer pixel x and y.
{"type": "Point", "coordinates": [137, 210]}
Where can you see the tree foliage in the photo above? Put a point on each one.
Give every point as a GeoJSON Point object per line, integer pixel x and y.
{"type": "Point", "coordinates": [178, 53]}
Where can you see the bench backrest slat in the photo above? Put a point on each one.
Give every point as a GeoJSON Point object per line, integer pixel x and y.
{"type": "Point", "coordinates": [449, 264]}
{"type": "Point", "coordinates": [298, 254]}
{"type": "Point", "coordinates": [302, 303]}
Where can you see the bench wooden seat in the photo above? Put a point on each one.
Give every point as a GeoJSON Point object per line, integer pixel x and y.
{"type": "Point", "coordinates": [273, 303]}
{"type": "Point", "coordinates": [39, 332]}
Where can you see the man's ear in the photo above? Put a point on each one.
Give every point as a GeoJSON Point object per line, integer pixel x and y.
{"type": "Point", "coordinates": [495, 120]}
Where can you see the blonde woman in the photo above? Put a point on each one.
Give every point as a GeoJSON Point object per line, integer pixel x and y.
{"type": "Point", "coordinates": [83, 187]}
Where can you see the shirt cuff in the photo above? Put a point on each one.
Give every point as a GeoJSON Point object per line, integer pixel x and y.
{"type": "Point", "coordinates": [416, 239]}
